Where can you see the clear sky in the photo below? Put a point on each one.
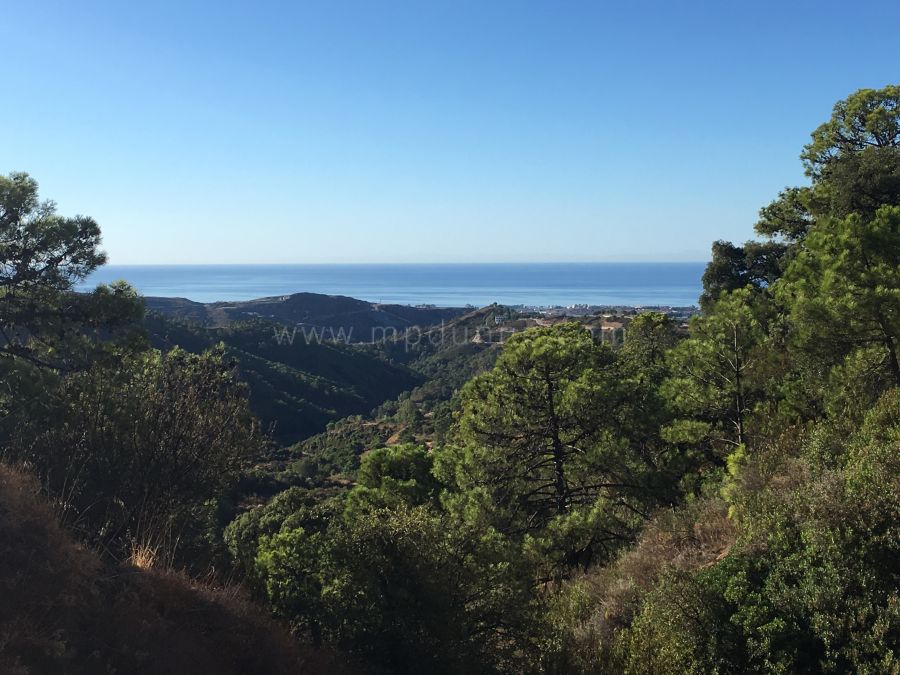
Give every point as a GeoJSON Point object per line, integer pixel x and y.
{"type": "Point", "coordinates": [425, 131]}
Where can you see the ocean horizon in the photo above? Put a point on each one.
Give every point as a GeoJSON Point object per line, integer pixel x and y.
{"type": "Point", "coordinates": [444, 285]}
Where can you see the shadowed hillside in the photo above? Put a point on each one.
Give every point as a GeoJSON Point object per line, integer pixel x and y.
{"type": "Point", "coordinates": [65, 611]}
{"type": "Point", "coordinates": [295, 388]}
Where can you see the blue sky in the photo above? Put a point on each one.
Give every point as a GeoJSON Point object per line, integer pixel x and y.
{"type": "Point", "coordinates": [222, 132]}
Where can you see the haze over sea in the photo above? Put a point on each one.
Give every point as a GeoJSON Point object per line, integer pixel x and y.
{"type": "Point", "coordinates": [446, 285]}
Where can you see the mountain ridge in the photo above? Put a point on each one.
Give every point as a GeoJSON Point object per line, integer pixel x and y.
{"type": "Point", "coordinates": [359, 319]}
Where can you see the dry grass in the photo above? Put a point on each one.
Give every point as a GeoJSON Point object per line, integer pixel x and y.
{"type": "Point", "coordinates": [687, 539]}
{"type": "Point", "coordinates": [63, 611]}
{"type": "Point", "coordinates": [143, 557]}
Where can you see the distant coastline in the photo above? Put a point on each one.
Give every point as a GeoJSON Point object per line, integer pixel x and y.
{"type": "Point", "coordinates": [672, 284]}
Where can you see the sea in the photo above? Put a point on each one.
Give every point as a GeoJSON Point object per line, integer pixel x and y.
{"type": "Point", "coordinates": [443, 285]}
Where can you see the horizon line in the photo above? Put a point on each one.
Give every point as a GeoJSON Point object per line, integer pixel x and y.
{"type": "Point", "coordinates": [525, 262]}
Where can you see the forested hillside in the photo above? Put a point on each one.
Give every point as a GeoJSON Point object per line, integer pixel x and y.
{"type": "Point", "coordinates": [724, 499]}
{"type": "Point", "coordinates": [297, 386]}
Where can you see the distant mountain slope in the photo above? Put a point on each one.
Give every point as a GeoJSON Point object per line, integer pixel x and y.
{"type": "Point", "coordinates": [295, 389]}
{"type": "Point", "coordinates": [356, 318]}
{"type": "Point", "coordinates": [446, 357]}
{"type": "Point", "coordinates": [298, 384]}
